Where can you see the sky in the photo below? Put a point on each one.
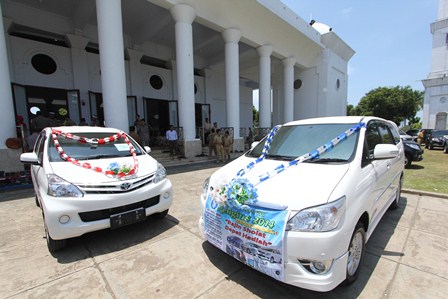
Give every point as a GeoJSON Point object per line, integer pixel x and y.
{"type": "Point", "coordinates": [391, 38]}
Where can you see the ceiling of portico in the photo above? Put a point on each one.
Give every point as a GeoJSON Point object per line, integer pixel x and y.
{"type": "Point", "coordinates": [145, 25]}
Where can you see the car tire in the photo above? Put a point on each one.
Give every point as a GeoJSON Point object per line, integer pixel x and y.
{"type": "Point", "coordinates": [355, 253]}
{"type": "Point", "coordinates": [394, 203]}
{"type": "Point", "coordinates": [54, 245]}
{"type": "Point", "coordinates": [407, 161]}
{"type": "Point", "coordinates": [431, 147]}
{"type": "Point", "coordinates": [161, 214]}
{"type": "Point", "coordinates": [37, 201]}
{"type": "Point", "coordinates": [445, 148]}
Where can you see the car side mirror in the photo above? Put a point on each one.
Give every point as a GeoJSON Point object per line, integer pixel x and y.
{"type": "Point", "coordinates": [254, 144]}
{"type": "Point", "coordinates": [147, 149]}
{"type": "Point", "coordinates": [385, 151]}
{"type": "Point", "coordinates": [29, 158]}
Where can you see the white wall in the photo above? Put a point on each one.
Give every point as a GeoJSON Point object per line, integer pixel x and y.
{"type": "Point", "coordinates": [305, 98]}
{"type": "Point", "coordinates": [166, 92]}
{"type": "Point", "coordinates": [23, 50]}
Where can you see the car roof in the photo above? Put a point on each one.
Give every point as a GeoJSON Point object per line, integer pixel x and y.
{"type": "Point", "coordinates": [333, 120]}
{"type": "Point", "coordinates": [85, 129]}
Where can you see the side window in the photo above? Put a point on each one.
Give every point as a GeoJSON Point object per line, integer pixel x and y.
{"type": "Point", "coordinates": [39, 147]}
{"type": "Point", "coordinates": [386, 134]}
{"type": "Point", "coordinates": [372, 136]}
{"type": "Point", "coordinates": [395, 134]}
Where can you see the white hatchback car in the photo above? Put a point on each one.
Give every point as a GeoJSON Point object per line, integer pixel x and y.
{"type": "Point", "coordinates": [92, 178]}
{"type": "Point", "coordinates": [313, 190]}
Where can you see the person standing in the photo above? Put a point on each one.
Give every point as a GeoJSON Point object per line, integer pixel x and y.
{"type": "Point", "coordinates": [134, 134]}
{"type": "Point", "coordinates": [40, 122]}
{"type": "Point", "coordinates": [420, 137]}
{"type": "Point", "coordinates": [137, 120]}
{"type": "Point", "coordinates": [30, 140]}
{"type": "Point", "coordinates": [171, 136]}
{"type": "Point", "coordinates": [227, 143]}
{"type": "Point", "coordinates": [143, 132]}
{"type": "Point", "coordinates": [218, 146]}
{"type": "Point", "coordinates": [211, 143]}
{"type": "Point", "coordinates": [207, 127]}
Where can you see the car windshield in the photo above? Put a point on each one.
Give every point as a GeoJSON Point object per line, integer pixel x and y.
{"type": "Point", "coordinates": [439, 133]}
{"type": "Point", "coordinates": [87, 151]}
{"type": "Point", "coordinates": [291, 142]}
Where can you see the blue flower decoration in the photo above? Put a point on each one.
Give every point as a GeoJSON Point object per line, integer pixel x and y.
{"type": "Point", "coordinates": [115, 167]}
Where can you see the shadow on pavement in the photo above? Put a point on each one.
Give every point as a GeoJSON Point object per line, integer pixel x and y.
{"type": "Point", "coordinates": [415, 167]}
{"type": "Point", "coordinates": [18, 193]}
{"type": "Point", "coordinates": [108, 241]}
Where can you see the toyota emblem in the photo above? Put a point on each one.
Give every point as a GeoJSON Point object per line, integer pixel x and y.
{"type": "Point", "coordinates": [125, 186]}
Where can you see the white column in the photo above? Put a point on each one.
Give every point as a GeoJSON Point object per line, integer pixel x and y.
{"type": "Point", "coordinates": [231, 38]}
{"type": "Point", "coordinates": [288, 88]}
{"type": "Point", "coordinates": [265, 86]}
{"type": "Point", "coordinates": [136, 80]}
{"type": "Point", "coordinates": [183, 16]}
{"type": "Point", "coordinates": [7, 111]}
{"type": "Point", "coordinates": [113, 80]}
{"type": "Point", "coordinates": [80, 67]}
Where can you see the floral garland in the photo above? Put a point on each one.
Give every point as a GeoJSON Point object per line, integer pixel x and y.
{"type": "Point", "coordinates": [239, 192]}
{"type": "Point", "coordinates": [114, 169]}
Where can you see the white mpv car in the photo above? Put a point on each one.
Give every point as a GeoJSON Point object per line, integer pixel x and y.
{"type": "Point", "coordinates": [92, 178]}
{"type": "Point", "coordinates": [312, 190]}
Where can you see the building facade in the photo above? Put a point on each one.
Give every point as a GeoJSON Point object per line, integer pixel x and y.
{"type": "Point", "coordinates": [435, 106]}
{"type": "Point", "coordinates": [172, 62]}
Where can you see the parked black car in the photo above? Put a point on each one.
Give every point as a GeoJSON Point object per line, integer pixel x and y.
{"type": "Point", "coordinates": [426, 135]}
{"type": "Point", "coordinates": [436, 139]}
{"type": "Point", "coordinates": [412, 152]}
{"type": "Point", "coordinates": [445, 145]}
{"type": "Point", "coordinates": [413, 133]}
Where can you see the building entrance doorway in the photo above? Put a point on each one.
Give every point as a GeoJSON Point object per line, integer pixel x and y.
{"type": "Point", "coordinates": [49, 101]}
{"type": "Point", "coordinates": [159, 115]}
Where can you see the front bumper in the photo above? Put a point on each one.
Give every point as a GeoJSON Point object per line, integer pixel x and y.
{"type": "Point", "coordinates": [312, 246]}
{"type": "Point", "coordinates": [92, 212]}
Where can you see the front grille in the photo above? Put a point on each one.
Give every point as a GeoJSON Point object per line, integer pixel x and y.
{"type": "Point", "coordinates": [105, 214]}
{"type": "Point", "coordinates": [115, 188]}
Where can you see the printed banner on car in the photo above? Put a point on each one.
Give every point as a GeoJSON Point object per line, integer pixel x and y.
{"type": "Point", "coordinates": [253, 236]}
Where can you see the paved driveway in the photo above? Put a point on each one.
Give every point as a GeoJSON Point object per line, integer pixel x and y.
{"type": "Point", "coordinates": [405, 258]}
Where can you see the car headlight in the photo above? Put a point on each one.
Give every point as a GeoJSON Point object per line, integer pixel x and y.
{"type": "Point", "coordinates": [160, 173]}
{"type": "Point", "coordinates": [59, 187]}
{"type": "Point", "coordinates": [205, 186]}
{"type": "Point", "coordinates": [205, 190]}
{"type": "Point", "coordinates": [414, 146]}
{"type": "Point", "coordinates": [318, 219]}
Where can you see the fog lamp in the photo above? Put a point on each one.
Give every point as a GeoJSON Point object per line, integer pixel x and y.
{"type": "Point", "coordinates": [316, 267]}
{"type": "Point", "coordinates": [64, 219]}
{"type": "Point", "coordinates": [166, 195]}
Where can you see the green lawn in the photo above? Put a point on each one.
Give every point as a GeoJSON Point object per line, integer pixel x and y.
{"type": "Point", "coordinates": [430, 174]}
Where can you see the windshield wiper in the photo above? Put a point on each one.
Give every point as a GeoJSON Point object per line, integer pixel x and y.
{"type": "Point", "coordinates": [323, 160]}
{"type": "Point", "coordinates": [101, 156]}
{"type": "Point", "coordinates": [280, 157]}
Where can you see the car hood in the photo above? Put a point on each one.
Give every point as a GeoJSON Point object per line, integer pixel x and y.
{"type": "Point", "coordinates": [298, 187]}
{"type": "Point", "coordinates": [79, 175]}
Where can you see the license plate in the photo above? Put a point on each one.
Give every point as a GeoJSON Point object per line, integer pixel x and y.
{"type": "Point", "coordinates": [127, 218]}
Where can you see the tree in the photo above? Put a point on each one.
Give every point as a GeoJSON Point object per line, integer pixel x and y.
{"type": "Point", "coordinates": [352, 110]}
{"type": "Point", "coordinates": [392, 103]}
{"type": "Point", "coordinates": [255, 116]}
